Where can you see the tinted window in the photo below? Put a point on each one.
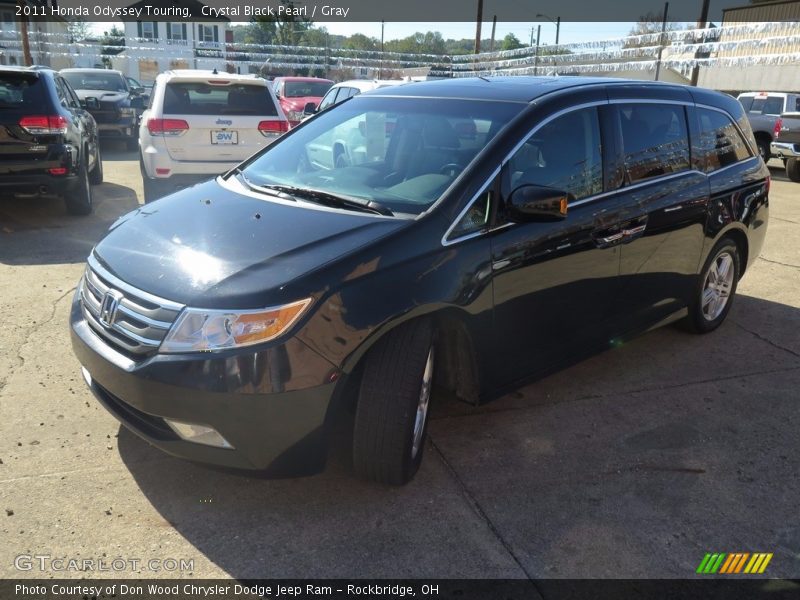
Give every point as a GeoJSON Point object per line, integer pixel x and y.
{"type": "Point", "coordinates": [329, 99]}
{"type": "Point", "coordinates": [301, 89]}
{"type": "Point", "coordinates": [476, 218]}
{"type": "Point", "coordinates": [564, 155]}
{"type": "Point", "coordinates": [18, 90]}
{"type": "Point", "coordinates": [109, 82]}
{"type": "Point", "coordinates": [401, 152]}
{"type": "Point", "coordinates": [746, 102]}
{"type": "Point", "coordinates": [765, 105]}
{"type": "Point", "coordinates": [201, 98]}
{"type": "Point", "coordinates": [719, 143]}
{"type": "Point", "coordinates": [655, 140]}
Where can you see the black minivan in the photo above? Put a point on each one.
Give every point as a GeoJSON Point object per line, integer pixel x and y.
{"type": "Point", "coordinates": [469, 234]}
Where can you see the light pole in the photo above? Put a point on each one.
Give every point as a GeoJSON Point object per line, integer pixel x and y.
{"type": "Point", "coordinates": [380, 71]}
{"type": "Point", "coordinates": [557, 23]}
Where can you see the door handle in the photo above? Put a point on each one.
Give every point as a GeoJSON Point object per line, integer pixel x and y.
{"type": "Point", "coordinates": [634, 231]}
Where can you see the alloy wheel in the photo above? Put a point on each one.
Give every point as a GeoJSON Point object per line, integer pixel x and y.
{"type": "Point", "coordinates": [423, 404]}
{"type": "Point", "coordinates": [717, 286]}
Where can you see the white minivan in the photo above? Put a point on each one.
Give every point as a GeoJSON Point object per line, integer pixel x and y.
{"type": "Point", "coordinates": [200, 124]}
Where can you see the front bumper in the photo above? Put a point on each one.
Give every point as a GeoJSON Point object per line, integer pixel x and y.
{"type": "Point", "coordinates": [270, 405]}
{"type": "Point", "coordinates": [122, 128]}
{"type": "Point", "coordinates": [785, 150]}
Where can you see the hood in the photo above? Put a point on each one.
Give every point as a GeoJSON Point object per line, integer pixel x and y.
{"type": "Point", "coordinates": [102, 95]}
{"type": "Point", "coordinates": [211, 247]}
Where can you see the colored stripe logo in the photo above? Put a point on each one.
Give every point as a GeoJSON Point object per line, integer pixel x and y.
{"type": "Point", "coordinates": [734, 563]}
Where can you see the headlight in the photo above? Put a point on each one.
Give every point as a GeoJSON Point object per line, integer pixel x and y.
{"type": "Point", "coordinates": [199, 330]}
{"type": "Point", "coordinates": [295, 115]}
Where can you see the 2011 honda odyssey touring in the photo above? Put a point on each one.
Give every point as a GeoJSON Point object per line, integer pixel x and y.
{"type": "Point", "coordinates": [481, 232]}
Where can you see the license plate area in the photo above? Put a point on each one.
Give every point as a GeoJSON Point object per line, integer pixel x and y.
{"type": "Point", "coordinates": [224, 137]}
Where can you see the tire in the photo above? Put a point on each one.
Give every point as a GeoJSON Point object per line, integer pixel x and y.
{"type": "Point", "coordinates": [79, 199]}
{"type": "Point", "coordinates": [150, 189]}
{"type": "Point", "coordinates": [793, 169]}
{"type": "Point", "coordinates": [763, 149]}
{"type": "Point", "coordinates": [391, 417]}
{"type": "Point", "coordinates": [96, 174]}
{"type": "Point", "coordinates": [716, 287]}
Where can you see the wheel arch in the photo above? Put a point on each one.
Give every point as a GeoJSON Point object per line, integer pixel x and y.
{"type": "Point", "coordinates": [455, 350]}
{"type": "Point", "coordinates": [737, 233]}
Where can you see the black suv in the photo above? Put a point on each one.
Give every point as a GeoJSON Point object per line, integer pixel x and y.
{"type": "Point", "coordinates": [481, 232]}
{"type": "Point", "coordinates": [48, 141]}
{"type": "Point", "coordinates": [118, 104]}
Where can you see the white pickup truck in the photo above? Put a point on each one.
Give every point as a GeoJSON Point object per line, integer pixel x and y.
{"type": "Point", "coordinates": [787, 143]}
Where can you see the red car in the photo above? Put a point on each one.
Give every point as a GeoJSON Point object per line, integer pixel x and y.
{"type": "Point", "coordinates": [295, 92]}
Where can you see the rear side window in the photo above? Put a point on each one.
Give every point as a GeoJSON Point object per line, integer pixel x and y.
{"type": "Point", "coordinates": [199, 98]}
{"type": "Point", "coordinates": [770, 105]}
{"type": "Point", "coordinates": [303, 89]}
{"type": "Point", "coordinates": [746, 102]}
{"type": "Point", "coordinates": [720, 144]}
{"type": "Point", "coordinates": [655, 140]}
{"type": "Point", "coordinates": [20, 91]}
{"type": "Point", "coordinates": [564, 155]}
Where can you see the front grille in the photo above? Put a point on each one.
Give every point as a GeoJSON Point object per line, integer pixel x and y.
{"type": "Point", "coordinates": [131, 320]}
{"type": "Point", "coordinates": [106, 116]}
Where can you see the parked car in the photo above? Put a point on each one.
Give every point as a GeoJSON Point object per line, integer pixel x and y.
{"type": "Point", "coordinates": [48, 141]}
{"type": "Point", "coordinates": [763, 110]}
{"type": "Point", "coordinates": [295, 93]}
{"type": "Point", "coordinates": [347, 89]}
{"type": "Point", "coordinates": [261, 301]}
{"type": "Point", "coordinates": [787, 144]}
{"type": "Point", "coordinates": [202, 123]}
{"type": "Point", "coordinates": [119, 106]}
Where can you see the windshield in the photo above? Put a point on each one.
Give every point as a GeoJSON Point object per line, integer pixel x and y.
{"type": "Point", "coordinates": [109, 82]}
{"type": "Point", "coordinates": [305, 89]}
{"type": "Point", "coordinates": [402, 153]}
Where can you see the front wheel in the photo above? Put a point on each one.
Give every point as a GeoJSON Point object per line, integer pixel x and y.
{"type": "Point", "coordinates": [716, 287]}
{"type": "Point", "coordinates": [793, 169]}
{"type": "Point", "coordinates": [393, 404]}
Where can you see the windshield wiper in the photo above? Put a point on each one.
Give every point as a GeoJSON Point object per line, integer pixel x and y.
{"type": "Point", "coordinates": [270, 190]}
{"type": "Point", "coordinates": [334, 200]}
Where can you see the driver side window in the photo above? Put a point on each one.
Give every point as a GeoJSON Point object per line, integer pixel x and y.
{"type": "Point", "coordinates": [565, 155]}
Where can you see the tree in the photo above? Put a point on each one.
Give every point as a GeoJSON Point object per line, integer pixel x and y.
{"type": "Point", "coordinates": [286, 30]}
{"type": "Point", "coordinates": [112, 43]}
{"type": "Point", "coordinates": [647, 24]}
{"type": "Point", "coordinates": [78, 30]}
{"type": "Point", "coordinates": [510, 42]}
{"type": "Point", "coordinates": [359, 41]}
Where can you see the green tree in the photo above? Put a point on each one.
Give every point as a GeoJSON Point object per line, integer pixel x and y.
{"type": "Point", "coordinates": [510, 42]}
{"type": "Point", "coordinates": [359, 41]}
{"type": "Point", "coordinates": [112, 43]}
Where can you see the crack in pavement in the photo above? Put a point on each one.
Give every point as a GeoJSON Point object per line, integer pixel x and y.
{"type": "Point", "coordinates": [27, 338]}
{"type": "Point", "coordinates": [786, 220]}
{"type": "Point", "coordinates": [655, 388]}
{"type": "Point", "coordinates": [481, 513]}
{"type": "Point", "coordinates": [777, 262]}
{"type": "Point", "coordinates": [765, 339]}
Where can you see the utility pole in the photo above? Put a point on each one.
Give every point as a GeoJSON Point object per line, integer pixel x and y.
{"type": "Point", "coordinates": [380, 72]}
{"type": "Point", "coordinates": [478, 28]}
{"type": "Point", "coordinates": [661, 40]}
{"type": "Point", "coordinates": [494, 26]}
{"type": "Point", "coordinates": [26, 45]}
{"type": "Point", "coordinates": [558, 28]}
{"type": "Point", "coordinates": [536, 59]}
{"type": "Point", "coordinates": [701, 24]}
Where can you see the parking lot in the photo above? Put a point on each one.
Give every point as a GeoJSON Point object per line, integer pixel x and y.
{"type": "Point", "coordinates": [632, 464]}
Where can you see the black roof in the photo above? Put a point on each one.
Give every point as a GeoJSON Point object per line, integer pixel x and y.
{"type": "Point", "coordinates": [509, 89]}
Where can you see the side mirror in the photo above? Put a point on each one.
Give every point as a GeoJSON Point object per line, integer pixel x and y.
{"type": "Point", "coordinates": [538, 203]}
{"type": "Point", "coordinates": [310, 108]}
{"type": "Point", "coordinates": [91, 103]}
{"type": "Point", "coordinates": [137, 102]}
